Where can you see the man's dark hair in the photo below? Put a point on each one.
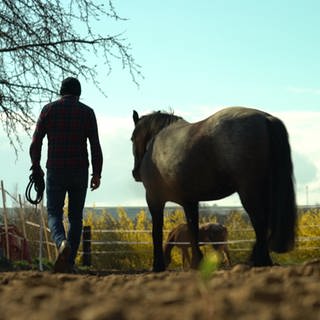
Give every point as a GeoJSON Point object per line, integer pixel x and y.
{"type": "Point", "coordinates": [71, 86]}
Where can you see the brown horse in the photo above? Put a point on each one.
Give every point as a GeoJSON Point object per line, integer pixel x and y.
{"type": "Point", "coordinates": [214, 233]}
{"type": "Point", "coordinates": [237, 149]}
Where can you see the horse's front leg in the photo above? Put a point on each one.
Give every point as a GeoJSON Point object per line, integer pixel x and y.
{"type": "Point", "coordinates": [226, 255]}
{"type": "Point", "coordinates": [186, 262]}
{"type": "Point", "coordinates": [192, 216]}
{"type": "Point", "coordinates": [156, 211]}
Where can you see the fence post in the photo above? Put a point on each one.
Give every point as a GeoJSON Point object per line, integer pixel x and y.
{"type": "Point", "coordinates": [86, 246]}
{"type": "Point", "coordinates": [5, 220]}
{"type": "Point", "coordinates": [40, 241]}
{"type": "Point", "coordinates": [45, 231]}
{"type": "Point", "coordinates": [22, 218]}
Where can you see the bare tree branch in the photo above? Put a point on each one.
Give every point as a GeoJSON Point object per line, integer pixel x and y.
{"type": "Point", "coordinates": [43, 41]}
{"type": "Point", "coordinates": [54, 44]}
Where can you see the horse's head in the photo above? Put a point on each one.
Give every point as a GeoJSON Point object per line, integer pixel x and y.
{"type": "Point", "coordinates": [146, 128]}
{"type": "Point", "coordinates": [139, 143]}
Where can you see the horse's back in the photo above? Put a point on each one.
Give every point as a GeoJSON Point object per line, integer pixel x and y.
{"type": "Point", "coordinates": [209, 158]}
{"type": "Point", "coordinates": [207, 232]}
{"type": "Point", "coordinates": [237, 143]}
{"type": "Point", "coordinates": [214, 232]}
{"type": "Point", "coordinates": [237, 127]}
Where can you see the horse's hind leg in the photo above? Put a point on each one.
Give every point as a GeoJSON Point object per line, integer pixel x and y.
{"type": "Point", "coordinates": [257, 209]}
{"type": "Point", "coordinates": [192, 216]}
{"type": "Point", "coordinates": [260, 252]}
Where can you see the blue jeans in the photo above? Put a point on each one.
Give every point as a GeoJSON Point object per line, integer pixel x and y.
{"type": "Point", "coordinates": [59, 183]}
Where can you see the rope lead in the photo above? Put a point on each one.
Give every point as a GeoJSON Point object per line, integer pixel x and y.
{"type": "Point", "coordinates": [36, 181]}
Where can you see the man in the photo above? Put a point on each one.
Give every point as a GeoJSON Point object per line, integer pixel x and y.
{"type": "Point", "coordinates": [68, 124]}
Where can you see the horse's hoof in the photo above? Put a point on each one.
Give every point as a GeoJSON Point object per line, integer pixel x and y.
{"type": "Point", "coordinates": [195, 264]}
{"type": "Point", "coordinates": [159, 268]}
{"type": "Point", "coordinates": [258, 264]}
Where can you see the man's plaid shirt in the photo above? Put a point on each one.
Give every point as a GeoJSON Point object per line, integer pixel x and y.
{"type": "Point", "coordinates": [68, 124]}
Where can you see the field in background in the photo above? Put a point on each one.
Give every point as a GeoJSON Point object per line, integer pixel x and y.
{"type": "Point", "coordinates": [122, 241]}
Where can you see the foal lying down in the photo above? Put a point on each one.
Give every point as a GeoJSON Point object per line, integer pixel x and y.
{"type": "Point", "coordinates": [209, 232]}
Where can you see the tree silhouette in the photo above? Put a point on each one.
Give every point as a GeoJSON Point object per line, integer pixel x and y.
{"type": "Point", "coordinates": [41, 42]}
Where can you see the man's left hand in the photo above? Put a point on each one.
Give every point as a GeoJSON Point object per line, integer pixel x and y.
{"type": "Point", "coordinates": [94, 183]}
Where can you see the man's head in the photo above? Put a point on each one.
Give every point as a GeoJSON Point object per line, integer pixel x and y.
{"type": "Point", "coordinates": [70, 86]}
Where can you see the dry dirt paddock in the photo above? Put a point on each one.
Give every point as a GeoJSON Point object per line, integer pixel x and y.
{"type": "Point", "coordinates": [240, 293]}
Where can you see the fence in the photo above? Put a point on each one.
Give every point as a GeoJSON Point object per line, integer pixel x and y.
{"type": "Point", "coordinates": [14, 236]}
{"type": "Point", "coordinates": [28, 228]}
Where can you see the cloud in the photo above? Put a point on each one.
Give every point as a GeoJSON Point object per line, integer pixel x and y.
{"type": "Point", "coordinates": [305, 170]}
{"type": "Point", "coordinates": [118, 187]}
{"type": "Point", "coordinates": [303, 129]}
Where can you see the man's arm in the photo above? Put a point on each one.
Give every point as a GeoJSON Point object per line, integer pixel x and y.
{"type": "Point", "coordinates": [96, 152]}
{"type": "Point", "coordinates": [36, 144]}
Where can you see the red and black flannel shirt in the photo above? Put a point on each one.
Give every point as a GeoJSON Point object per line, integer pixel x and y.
{"type": "Point", "coordinates": [68, 124]}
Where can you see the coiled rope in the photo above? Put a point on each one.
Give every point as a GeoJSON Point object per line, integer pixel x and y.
{"type": "Point", "coordinates": [36, 181]}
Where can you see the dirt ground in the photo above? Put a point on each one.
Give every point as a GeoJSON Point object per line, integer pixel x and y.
{"type": "Point", "coordinates": [240, 293]}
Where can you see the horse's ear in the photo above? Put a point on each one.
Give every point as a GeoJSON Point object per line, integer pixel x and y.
{"type": "Point", "coordinates": [135, 117]}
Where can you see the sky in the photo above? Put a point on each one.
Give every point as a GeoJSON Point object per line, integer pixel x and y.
{"type": "Point", "coordinates": [197, 57]}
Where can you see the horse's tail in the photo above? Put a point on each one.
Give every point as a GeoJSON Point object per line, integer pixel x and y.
{"type": "Point", "coordinates": [283, 210]}
{"type": "Point", "coordinates": [168, 247]}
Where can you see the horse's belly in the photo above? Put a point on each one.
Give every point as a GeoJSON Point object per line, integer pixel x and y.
{"type": "Point", "coordinates": [207, 192]}
{"type": "Point", "coordinates": [181, 188]}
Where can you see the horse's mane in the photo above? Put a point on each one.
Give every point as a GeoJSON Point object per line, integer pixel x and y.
{"type": "Point", "coordinates": [158, 120]}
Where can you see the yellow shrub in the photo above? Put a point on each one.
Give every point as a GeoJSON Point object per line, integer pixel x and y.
{"type": "Point", "coordinates": [133, 250]}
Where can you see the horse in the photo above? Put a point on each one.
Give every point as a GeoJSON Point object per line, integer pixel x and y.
{"type": "Point", "coordinates": [235, 150]}
{"type": "Point", "coordinates": [214, 233]}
